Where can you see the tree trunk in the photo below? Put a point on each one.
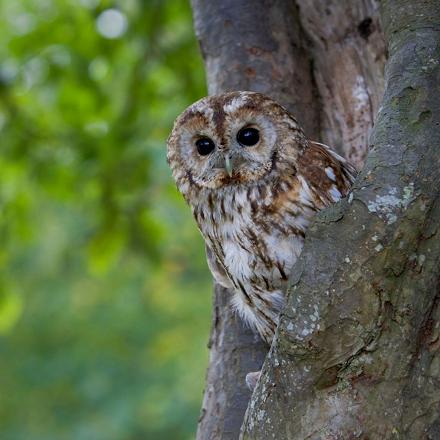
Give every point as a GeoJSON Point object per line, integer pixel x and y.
{"type": "Point", "coordinates": [356, 353]}
{"type": "Point", "coordinates": [324, 63]}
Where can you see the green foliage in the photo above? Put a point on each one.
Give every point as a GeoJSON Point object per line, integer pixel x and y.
{"type": "Point", "coordinates": [104, 291]}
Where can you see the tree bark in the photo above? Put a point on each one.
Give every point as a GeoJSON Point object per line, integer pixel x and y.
{"type": "Point", "coordinates": [356, 353]}
{"type": "Point", "coordinates": [326, 68]}
{"type": "Point", "coordinates": [348, 52]}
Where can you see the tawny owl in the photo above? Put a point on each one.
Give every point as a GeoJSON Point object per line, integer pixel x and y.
{"type": "Point", "coordinates": [254, 182]}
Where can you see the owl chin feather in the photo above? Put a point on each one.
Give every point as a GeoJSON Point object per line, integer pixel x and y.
{"type": "Point", "coordinates": [253, 218]}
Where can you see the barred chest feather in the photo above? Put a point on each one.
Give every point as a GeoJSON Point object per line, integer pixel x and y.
{"type": "Point", "coordinates": [254, 182]}
{"type": "Point", "coordinates": [256, 235]}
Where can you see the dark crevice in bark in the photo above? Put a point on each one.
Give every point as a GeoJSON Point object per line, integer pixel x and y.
{"type": "Point", "coordinates": [366, 28]}
{"type": "Point", "coordinates": [316, 98]}
{"type": "Point", "coordinates": [425, 338]}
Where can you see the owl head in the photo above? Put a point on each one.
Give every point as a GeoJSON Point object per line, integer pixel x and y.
{"type": "Point", "coordinates": [236, 138]}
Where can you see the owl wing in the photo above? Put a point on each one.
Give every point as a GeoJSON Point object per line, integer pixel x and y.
{"type": "Point", "coordinates": [217, 270]}
{"type": "Point", "coordinates": [325, 175]}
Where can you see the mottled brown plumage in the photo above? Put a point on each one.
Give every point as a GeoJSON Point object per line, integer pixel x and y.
{"type": "Point", "coordinates": [252, 201]}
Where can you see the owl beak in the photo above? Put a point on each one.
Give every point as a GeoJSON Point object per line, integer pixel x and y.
{"type": "Point", "coordinates": [228, 166]}
{"type": "Point", "coordinates": [228, 162]}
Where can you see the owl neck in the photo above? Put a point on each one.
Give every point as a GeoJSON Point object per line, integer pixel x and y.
{"type": "Point", "coordinates": [219, 205]}
{"type": "Point", "coordinates": [240, 206]}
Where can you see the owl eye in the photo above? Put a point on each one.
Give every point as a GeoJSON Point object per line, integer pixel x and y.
{"type": "Point", "coordinates": [205, 146]}
{"type": "Point", "coordinates": [248, 136]}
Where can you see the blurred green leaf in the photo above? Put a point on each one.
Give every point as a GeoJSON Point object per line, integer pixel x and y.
{"type": "Point", "coordinates": [11, 306]}
{"type": "Point", "coordinates": [104, 290]}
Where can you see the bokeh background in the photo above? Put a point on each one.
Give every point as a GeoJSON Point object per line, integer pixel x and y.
{"type": "Point", "coordinates": [104, 290]}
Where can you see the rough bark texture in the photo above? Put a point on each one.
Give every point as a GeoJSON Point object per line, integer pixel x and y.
{"type": "Point", "coordinates": [234, 351]}
{"type": "Point", "coordinates": [324, 63]}
{"type": "Point", "coordinates": [348, 53]}
{"type": "Point", "coordinates": [357, 351]}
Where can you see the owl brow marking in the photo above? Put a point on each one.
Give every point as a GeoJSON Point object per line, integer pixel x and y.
{"type": "Point", "coordinates": [192, 114]}
{"type": "Point", "coordinates": [218, 118]}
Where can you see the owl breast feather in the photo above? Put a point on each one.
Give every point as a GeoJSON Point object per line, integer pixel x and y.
{"type": "Point", "coordinates": [256, 233]}
{"type": "Point", "coordinates": [257, 244]}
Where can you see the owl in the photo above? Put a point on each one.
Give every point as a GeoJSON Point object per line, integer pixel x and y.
{"type": "Point", "coordinates": [254, 183]}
